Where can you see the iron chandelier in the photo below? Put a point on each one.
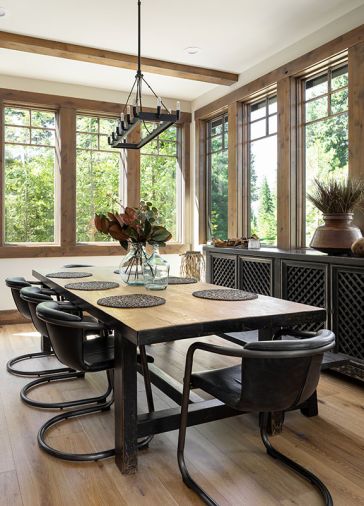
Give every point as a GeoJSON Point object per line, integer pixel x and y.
{"type": "Point", "coordinates": [133, 115]}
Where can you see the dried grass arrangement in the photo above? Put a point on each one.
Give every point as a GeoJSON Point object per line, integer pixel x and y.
{"type": "Point", "coordinates": [193, 265]}
{"type": "Point", "coordinates": [337, 197]}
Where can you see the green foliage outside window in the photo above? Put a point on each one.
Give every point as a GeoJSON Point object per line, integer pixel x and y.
{"type": "Point", "coordinates": [29, 175]}
{"type": "Point", "coordinates": [263, 169]}
{"type": "Point", "coordinates": [326, 135]}
{"type": "Point", "coordinates": [98, 175]}
{"type": "Point", "coordinates": [159, 175]}
{"type": "Point", "coordinates": [217, 169]}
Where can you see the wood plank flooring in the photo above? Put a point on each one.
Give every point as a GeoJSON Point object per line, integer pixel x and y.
{"type": "Point", "coordinates": [226, 457]}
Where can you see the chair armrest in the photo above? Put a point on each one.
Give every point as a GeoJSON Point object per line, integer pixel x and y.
{"type": "Point", "coordinates": [213, 348]}
{"type": "Point", "coordinates": [300, 334]}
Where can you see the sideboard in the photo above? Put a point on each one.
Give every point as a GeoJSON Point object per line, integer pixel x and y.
{"type": "Point", "coordinates": [307, 276]}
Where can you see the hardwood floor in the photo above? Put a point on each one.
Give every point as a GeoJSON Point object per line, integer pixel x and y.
{"type": "Point", "coordinates": [226, 457]}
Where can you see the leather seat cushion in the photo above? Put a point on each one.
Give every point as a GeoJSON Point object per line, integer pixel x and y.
{"type": "Point", "coordinates": [224, 384]}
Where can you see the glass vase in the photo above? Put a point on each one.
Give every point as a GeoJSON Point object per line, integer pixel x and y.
{"type": "Point", "coordinates": [131, 267]}
{"type": "Point", "coordinates": [156, 271]}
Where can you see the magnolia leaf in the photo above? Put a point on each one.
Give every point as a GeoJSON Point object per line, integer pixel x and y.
{"type": "Point", "coordinates": [147, 229]}
{"type": "Point", "coordinates": [124, 244]}
{"type": "Point", "coordinates": [102, 224]}
{"type": "Point", "coordinates": [132, 233]}
{"type": "Point", "coordinates": [116, 232]}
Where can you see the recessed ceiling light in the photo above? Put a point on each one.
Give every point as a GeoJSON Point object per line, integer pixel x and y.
{"type": "Point", "coordinates": [192, 50]}
{"type": "Point", "coordinates": [2, 12]}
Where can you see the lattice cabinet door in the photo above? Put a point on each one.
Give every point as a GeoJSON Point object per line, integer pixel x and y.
{"type": "Point", "coordinates": [255, 275]}
{"type": "Point", "coordinates": [348, 310]}
{"type": "Point", "coordinates": [223, 270]}
{"type": "Point", "coordinates": [307, 283]}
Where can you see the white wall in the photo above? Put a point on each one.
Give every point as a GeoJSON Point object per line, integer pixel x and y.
{"type": "Point", "coordinates": [327, 33]}
{"type": "Point", "coordinates": [23, 267]}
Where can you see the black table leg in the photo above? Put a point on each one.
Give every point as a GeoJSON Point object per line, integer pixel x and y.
{"type": "Point", "coordinates": [125, 391]}
{"type": "Point", "coordinates": [310, 407]}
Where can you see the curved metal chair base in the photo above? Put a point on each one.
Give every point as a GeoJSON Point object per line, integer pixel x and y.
{"type": "Point", "coordinates": [305, 473]}
{"type": "Point", "coordinates": [101, 399]}
{"type": "Point", "coordinates": [28, 356]}
{"type": "Point", "coordinates": [81, 457]}
{"type": "Point", "coordinates": [187, 479]}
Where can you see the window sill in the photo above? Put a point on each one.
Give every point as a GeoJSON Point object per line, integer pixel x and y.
{"type": "Point", "coordinates": [93, 249]}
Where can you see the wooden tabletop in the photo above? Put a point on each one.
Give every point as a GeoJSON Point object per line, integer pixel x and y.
{"type": "Point", "coordinates": [183, 315]}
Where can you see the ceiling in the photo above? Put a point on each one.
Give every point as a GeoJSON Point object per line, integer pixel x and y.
{"type": "Point", "coordinates": [233, 35]}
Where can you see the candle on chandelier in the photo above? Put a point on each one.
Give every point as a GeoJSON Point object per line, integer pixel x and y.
{"type": "Point", "coordinates": [178, 109]}
{"type": "Point", "coordinates": [122, 121]}
{"type": "Point", "coordinates": [159, 105]}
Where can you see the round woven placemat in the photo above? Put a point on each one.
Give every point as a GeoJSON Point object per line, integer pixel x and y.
{"type": "Point", "coordinates": [92, 285]}
{"type": "Point", "coordinates": [176, 280]}
{"type": "Point", "coordinates": [69, 275]}
{"type": "Point", "coordinates": [131, 301]}
{"type": "Point", "coordinates": [73, 266]}
{"type": "Point", "coordinates": [225, 294]}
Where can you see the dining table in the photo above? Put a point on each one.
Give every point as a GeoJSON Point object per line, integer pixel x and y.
{"type": "Point", "coordinates": [181, 316]}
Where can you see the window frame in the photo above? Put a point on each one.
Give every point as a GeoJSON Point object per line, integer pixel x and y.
{"type": "Point", "coordinates": [123, 183]}
{"type": "Point", "coordinates": [326, 69]}
{"type": "Point", "coordinates": [180, 186]}
{"type": "Point", "coordinates": [57, 170]}
{"type": "Point", "coordinates": [67, 108]}
{"type": "Point", "coordinates": [224, 115]}
{"type": "Point", "coordinates": [248, 103]}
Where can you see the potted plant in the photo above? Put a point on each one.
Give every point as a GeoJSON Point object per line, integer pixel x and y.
{"type": "Point", "coordinates": [336, 200]}
{"type": "Point", "coordinates": [134, 228]}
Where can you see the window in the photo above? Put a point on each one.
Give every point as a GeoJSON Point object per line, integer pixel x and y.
{"type": "Point", "coordinates": [217, 177]}
{"type": "Point", "coordinates": [262, 146]}
{"type": "Point", "coordinates": [161, 177]}
{"type": "Point", "coordinates": [100, 178]}
{"type": "Point", "coordinates": [325, 134]}
{"type": "Point", "coordinates": [30, 175]}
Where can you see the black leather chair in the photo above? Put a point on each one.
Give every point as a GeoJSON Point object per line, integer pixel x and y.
{"type": "Point", "coordinates": [273, 376]}
{"type": "Point", "coordinates": [34, 295]}
{"type": "Point", "coordinates": [16, 284]}
{"type": "Point", "coordinates": [68, 334]}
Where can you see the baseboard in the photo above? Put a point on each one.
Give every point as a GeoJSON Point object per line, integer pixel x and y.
{"type": "Point", "coordinates": [11, 317]}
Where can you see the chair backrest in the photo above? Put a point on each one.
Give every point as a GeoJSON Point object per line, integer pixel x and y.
{"type": "Point", "coordinates": [34, 295]}
{"type": "Point", "coordinates": [280, 375]}
{"type": "Point", "coordinates": [65, 333]}
{"type": "Point", "coordinates": [16, 284]}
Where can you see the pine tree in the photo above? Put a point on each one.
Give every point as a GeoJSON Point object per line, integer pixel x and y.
{"type": "Point", "coordinates": [267, 227]}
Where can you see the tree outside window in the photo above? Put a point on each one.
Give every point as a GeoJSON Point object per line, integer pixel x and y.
{"type": "Point", "coordinates": [326, 148]}
{"type": "Point", "coordinates": [217, 177]}
{"type": "Point", "coordinates": [262, 145]}
{"type": "Point", "coordinates": [161, 177]}
{"type": "Point", "coordinates": [99, 175]}
{"type": "Point", "coordinates": [30, 174]}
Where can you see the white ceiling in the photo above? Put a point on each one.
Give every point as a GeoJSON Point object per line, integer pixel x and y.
{"type": "Point", "coordinates": [233, 34]}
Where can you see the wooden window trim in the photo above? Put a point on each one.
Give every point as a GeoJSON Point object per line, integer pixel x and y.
{"type": "Point", "coordinates": [356, 119]}
{"type": "Point", "coordinates": [326, 68]}
{"type": "Point", "coordinates": [207, 172]}
{"type": "Point", "coordinates": [346, 48]}
{"type": "Point", "coordinates": [260, 97]}
{"type": "Point", "coordinates": [67, 108]}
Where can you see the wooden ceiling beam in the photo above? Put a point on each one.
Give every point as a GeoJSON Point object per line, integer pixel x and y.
{"type": "Point", "coordinates": [113, 59]}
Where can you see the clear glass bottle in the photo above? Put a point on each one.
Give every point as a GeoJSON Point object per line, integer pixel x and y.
{"type": "Point", "coordinates": [156, 271]}
{"type": "Point", "coordinates": [131, 267]}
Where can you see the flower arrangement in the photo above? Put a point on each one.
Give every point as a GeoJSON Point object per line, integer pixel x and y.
{"type": "Point", "coordinates": [138, 225]}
